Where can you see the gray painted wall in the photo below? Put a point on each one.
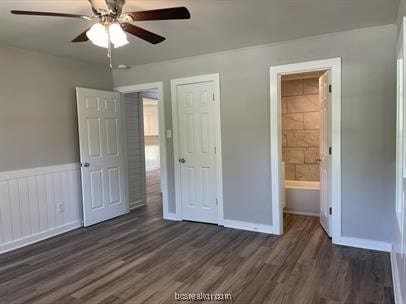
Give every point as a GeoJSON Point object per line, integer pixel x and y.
{"type": "Point", "coordinates": [38, 120]}
{"type": "Point", "coordinates": [401, 12]}
{"type": "Point", "coordinates": [368, 122]}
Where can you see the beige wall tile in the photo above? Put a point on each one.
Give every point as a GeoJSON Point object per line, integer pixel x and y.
{"type": "Point", "coordinates": [311, 155]}
{"type": "Point", "coordinates": [300, 125]}
{"type": "Point", "coordinates": [311, 120]}
{"type": "Point", "coordinates": [292, 87]}
{"type": "Point", "coordinates": [308, 172]}
{"type": "Point", "coordinates": [293, 155]}
{"type": "Point", "coordinates": [311, 86]}
{"type": "Point", "coordinates": [290, 172]}
{"type": "Point", "coordinates": [292, 121]}
{"type": "Point", "coordinates": [304, 103]}
{"type": "Point", "coordinates": [304, 138]}
{"type": "Point", "coordinates": [284, 138]}
{"type": "Point", "coordinates": [283, 105]}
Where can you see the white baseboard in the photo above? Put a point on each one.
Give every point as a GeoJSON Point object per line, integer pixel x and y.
{"type": "Point", "coordinates": [395, 278]}
{"type": "Point", "coordinates": [171, 217]}
{"type": "Point", "coordinates": [363, 243]}
{"type": "Point", "coordinates": [39, 237]}
{"type": "Point", "coordinates": [302, 213]}
{"type": "Point", "coordinates": [137, 204]}
{"type": "Point", "coordinates": [248, 226]}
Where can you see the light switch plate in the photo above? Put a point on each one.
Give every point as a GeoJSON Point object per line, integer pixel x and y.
{"type": "Point", "coordinates": [169, 133]}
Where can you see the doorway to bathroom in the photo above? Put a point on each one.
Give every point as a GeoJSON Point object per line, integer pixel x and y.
{"type": "Point", "coordinates": [304, 104]}
{"type": "Point", "coordinates": [305, 143]}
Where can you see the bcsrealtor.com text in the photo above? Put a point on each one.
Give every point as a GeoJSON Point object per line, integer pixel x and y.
{"type": "Point", "coordinates": [201, 296]}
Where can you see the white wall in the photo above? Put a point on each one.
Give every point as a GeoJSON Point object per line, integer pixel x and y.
{"type": "Point", "coordinates": [368, 122]}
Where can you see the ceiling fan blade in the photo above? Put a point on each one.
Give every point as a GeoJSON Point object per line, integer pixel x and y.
{"type": "Point", "coordinates": [82, 37]}
{"type": "Point", "coordinates": [49, 14]}
{"type": "Point", "coordinates": [161, 14]}
{"type": "Point", "coordinates": [142, 33]}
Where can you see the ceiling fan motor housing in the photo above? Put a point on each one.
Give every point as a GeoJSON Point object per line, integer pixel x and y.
{"type": "Point", "coordinates": [103, 7]}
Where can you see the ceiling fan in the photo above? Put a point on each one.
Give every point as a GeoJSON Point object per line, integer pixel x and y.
{"type": "Point", "coordinates": [112, 23]}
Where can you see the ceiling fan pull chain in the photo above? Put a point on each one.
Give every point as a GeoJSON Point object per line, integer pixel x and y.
{"type": "Point", "coordinates": [109, 48]}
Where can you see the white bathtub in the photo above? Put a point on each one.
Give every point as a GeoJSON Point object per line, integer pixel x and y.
{"type": "Point", "coordinates": [302, 197]}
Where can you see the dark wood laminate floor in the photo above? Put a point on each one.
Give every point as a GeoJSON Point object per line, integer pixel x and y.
{"type": "Point", "coordinates": [153, 187]}
{"type": "Point", "coordinates": [140, 258]}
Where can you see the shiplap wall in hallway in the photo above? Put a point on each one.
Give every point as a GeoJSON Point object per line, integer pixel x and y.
{"type": "Point", "coordinates": [135, 149]}
{"type": "Point", "coordinates": [38, 203]}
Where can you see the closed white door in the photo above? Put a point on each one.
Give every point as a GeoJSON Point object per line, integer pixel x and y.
{"type": "Point", "coordinates": [325, 157]}
{"type": "Point", "coordinates": [197, 159]}
{"type": "Point", "coordinates": [101, 155]}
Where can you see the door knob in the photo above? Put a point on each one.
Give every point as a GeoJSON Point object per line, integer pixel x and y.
{"type": "Point", "coordinates": [182, 160]}
{"type": "Point", "coordinates": [86, 165]}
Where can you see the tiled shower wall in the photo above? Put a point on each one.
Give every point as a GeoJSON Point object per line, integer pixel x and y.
{"type": "Point", "coordinates": [301, 129]}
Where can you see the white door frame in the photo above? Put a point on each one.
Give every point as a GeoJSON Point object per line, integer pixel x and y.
{"type": "Point", "coordinates": [162, 137]}
{"type": "Point", "coordinates": [276, 72]}
{"type": "Point", "coordinates": [219, 168]}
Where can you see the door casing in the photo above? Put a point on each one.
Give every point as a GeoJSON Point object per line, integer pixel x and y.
{"type": "Point", "coordinates": [276, 72]}
{"type": "Point", "coordinates": [215, 78]}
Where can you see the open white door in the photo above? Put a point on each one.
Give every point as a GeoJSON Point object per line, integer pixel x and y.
{"type": "Point", "coordinates": [197, 151]}
{"type": "Point", "coordinates": [325, 157]}
{"type": "Point", "coordinates": [399, 247]}
{"type": "Point", "coordinates": [101, 155]}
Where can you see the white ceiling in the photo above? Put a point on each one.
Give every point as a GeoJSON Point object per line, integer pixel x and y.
{"type": "Point", "coordinates": [216, 25]}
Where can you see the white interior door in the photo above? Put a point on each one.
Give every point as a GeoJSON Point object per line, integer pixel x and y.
{"type": "Point", "coordinates": [400, 232]}
{"type": "Point", "coordinates": [325, 157]}
{"type": "Point", "coordinates": [197, 159]}
{"type": "Point", "coordinates": [101, 155]}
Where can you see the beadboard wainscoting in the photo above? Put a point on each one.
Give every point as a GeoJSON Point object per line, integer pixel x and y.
{"type": "Point", "coordinates": [38, 203]}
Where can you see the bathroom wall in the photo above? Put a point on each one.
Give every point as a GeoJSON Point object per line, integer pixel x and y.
{"type": "Point", "coordinates": [300, 129]}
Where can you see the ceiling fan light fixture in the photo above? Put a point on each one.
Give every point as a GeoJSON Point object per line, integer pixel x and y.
{"type": "Point", "coordinates": [117, 35]}
{"type": "Point", "coordinates": [98, 35]}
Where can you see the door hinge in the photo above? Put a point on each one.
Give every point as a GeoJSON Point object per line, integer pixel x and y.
{"type": "Point", "coordinates": [330, 88]}
{"type": "Point", "coordinates": [329, 150]}
{"type": "Point", "coordinates": [217, 202]}
{"type": "Point", "coordinates": [214, 97]}
{"type": "Point", "coordinates": [330, 211]}
{"type": "Point", "coordinates": [215, 150]}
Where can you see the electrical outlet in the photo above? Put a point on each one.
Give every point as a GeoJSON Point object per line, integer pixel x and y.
{"type": "Point", "coordinates": [169, 133]}
{"type": "Point", "coordinates": [60, 207]}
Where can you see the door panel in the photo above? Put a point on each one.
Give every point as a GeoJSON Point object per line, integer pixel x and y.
{"type": "Point", "coordinates": [197, 147]}
{"type": "Point", "coordinates": [325, 157]}
{"type": "Point", "coordinates": [101, 154]}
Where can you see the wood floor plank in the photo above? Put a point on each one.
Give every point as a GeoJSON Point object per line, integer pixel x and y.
{"type": "Point", "coordinates": [140, 258]}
